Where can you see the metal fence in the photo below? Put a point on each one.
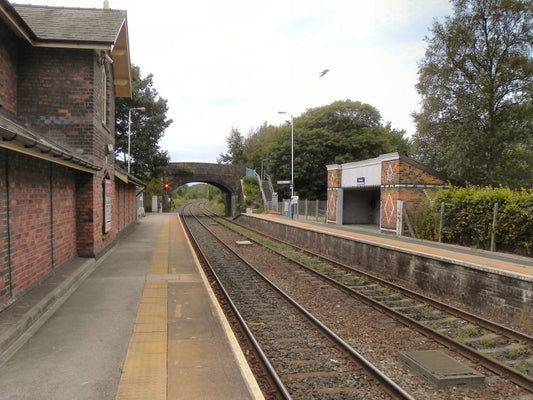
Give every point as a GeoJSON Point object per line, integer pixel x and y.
{"type": "Point", "coordinates": [304, 209]}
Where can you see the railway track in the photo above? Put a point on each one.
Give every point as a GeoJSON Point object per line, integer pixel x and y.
{"type": "Point", "coordinates": [377, 332]}
{"type": "Point", "coordinates": [500, 349]}
{"type": "Point", "coordinates": [305, 358]}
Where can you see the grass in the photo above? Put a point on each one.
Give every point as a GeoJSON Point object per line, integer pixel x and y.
{"type": "Point", "coordinates": [516, 351]}
{"type": "Point", "coordinates": [487, 342]}
{"type": "Point", "coordinates": [466, 332]}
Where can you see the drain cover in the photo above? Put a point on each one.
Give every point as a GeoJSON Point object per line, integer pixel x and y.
{"type": "Point", "coordinates": [441, 370]}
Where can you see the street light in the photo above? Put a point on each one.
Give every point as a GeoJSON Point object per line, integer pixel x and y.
{"type": "Point", "coordinates": [292, 162]}
{"type": "Point", "coordinates": [129, 132]}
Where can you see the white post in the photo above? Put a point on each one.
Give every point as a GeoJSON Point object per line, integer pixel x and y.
{"type": "Point", "coordinates": [399, 217]}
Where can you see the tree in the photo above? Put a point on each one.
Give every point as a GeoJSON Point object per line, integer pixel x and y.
{"type": "Point", "coordinates": [343, 131]}
{"type": "Point", "coordinates": [235, 154]}
{"type": "Point", "coordinates": [147, 127]}
{"type": "Point", "coordinates": [476, 84]}
{"type": "Point", "coordinates": [340, 132]}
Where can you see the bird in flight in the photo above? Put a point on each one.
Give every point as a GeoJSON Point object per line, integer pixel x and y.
{"type": "Point", "coordinates": [321, 74]}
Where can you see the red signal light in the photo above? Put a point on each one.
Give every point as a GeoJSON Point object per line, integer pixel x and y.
{"type": "Point", "coordinates": [166, 186]}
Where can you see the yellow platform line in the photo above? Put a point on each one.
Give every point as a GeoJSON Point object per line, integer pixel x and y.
{"type": "Point", "coordinates": [144, 374]}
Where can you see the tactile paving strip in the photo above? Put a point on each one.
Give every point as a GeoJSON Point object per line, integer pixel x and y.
{"type": "Point", "coordinates": [144, 375]}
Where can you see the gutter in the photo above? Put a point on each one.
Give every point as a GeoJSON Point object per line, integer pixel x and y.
{"type": "Point", "coordinates": [36, 148]}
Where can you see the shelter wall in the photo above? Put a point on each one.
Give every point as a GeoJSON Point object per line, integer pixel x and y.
{"type": "Point", "coordinates": [391, 178]}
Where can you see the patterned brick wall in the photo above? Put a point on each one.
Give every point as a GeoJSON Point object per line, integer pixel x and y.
{"type": "Point", "coordinates": [334, 178]}
{"type": "Point", "coordinates": [406, 181]}
{"type": "Point", "coordinates": [403, 172]}
{"type": "Point", "coordinates": [388, 213]}
{"type": "Point", "coordinates": [333, 196]}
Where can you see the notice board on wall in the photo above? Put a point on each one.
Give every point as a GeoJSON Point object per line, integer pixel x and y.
{"type": "Point", "coordinates": [107, 205]}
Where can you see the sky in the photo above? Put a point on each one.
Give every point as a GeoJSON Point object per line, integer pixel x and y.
{"type": "Point", "coordinates": [237, 63]}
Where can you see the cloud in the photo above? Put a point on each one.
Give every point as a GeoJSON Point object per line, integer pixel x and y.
{"type": "Point", "coordinates": [234, 64]}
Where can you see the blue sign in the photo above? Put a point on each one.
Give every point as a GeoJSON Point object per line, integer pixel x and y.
{"type": "Point", "coordinates": [361, 180]}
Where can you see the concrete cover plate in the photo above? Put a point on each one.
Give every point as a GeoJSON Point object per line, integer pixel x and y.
{"type": "Point", "coordinates": [441, 370]}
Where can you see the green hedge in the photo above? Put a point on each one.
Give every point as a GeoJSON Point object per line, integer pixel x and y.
{"type": "Point", "coordinates": [468, 218]}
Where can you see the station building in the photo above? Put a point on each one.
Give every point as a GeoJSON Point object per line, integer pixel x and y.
{"type": "Point", "coordinates": [61, 194]}
{"type": "Point", "coordinates": [380, 191]}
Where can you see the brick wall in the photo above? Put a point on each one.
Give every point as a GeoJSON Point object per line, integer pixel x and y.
{"type": "Point", "coordinates": [389, 201]}
{"type": "Point", "coordinates": [4, 238]}
{"type": "Point", "coordinates": [333, 196]}
{"type": "Point", "coordinates": [406, 181]}
{"type": "Point", "coordinates": [39, 193]}
{"type": "Point", "coordinates": [334, 178]}
{"type": "Point", "coordinates": [50, 213]}
{"type": "Point", "coordinates": [29, 220]}
{"type": "Point", "coordinates": [60, 94]}
{"type": "Point", "coordinates": [403, 172]}
{"type": "Point", "coordinates": [85, 217]}
{"type": "Point", "coordinates": [9, 45]}
{"type": "Point", "coordinates": [64, 213]}
{"type": "Point", "coordinates": [55, 95]}
{"type": "Point", "coordinates": [125, 205]}
{"type": "Point", "coordinates": [410, 173]}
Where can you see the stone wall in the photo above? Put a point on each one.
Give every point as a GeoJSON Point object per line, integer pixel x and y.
{"type": "Point", "coordinates": [474, 286]}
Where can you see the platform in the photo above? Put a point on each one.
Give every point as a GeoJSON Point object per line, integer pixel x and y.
{"type": "Point", "coordinates": [510, 263]}
{"type": "Point", "coordinates": [142, 323]}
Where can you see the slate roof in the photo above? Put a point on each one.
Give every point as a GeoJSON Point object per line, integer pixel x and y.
{"type": "Point", "coordinates": [68, 24]}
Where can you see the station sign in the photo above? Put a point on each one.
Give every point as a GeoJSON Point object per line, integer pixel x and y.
{"type": "Point", "coordinates": [284, 182]}
{"type": "Point", "coordinates": [361, 180]}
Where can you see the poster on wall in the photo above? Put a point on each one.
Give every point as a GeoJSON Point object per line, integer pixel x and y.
{"type": "Point", "coordinates": [107, 205]}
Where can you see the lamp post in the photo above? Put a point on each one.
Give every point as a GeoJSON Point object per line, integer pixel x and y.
{"type": "Point", "coordinates": [292, 162]}
{"type": "Point", "coordinates": [129, 132]}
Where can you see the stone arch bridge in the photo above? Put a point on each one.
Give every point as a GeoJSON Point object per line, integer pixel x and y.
{"type": "Point", "coordinates": [224, 176]}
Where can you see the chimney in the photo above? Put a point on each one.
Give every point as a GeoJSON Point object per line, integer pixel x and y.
{"type": "Point", "coordinates": [106, 4]}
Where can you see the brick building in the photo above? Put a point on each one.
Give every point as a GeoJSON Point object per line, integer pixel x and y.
{"type": "Point", "coordinates": [61, 195]}
{"type": "Point", "coordinates": [378, 191]}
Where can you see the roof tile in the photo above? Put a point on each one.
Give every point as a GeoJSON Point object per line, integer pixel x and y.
{"type": "Point", "coordinates": [72, 24]}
